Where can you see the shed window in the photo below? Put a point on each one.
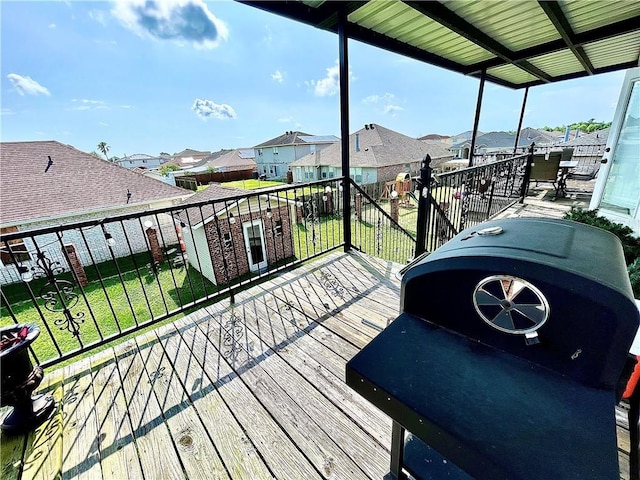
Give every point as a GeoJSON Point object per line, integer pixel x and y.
{"type": "Point", "coordinates": [227, 240]}
{"type": "Point", "coordinates": [277, 229]}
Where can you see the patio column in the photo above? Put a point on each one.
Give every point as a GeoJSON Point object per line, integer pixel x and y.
{"type": "Point", "coordinates": [524, 104]}
{"type": "Point", "coordinates": [477, 118]}
{"type": "Point", "coordinates": [344, 126]}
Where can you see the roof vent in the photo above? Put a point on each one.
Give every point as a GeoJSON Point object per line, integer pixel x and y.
{"type": "Point", "coordinates": [366, 126]}
{"type": "Point", "coordinates": [371, 126]}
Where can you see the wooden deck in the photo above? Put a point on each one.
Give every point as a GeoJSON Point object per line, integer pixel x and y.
{"type": "Point", "coordinates": [251, 392]}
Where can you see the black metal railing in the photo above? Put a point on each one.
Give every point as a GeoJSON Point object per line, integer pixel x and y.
{"type": "Point", "coordinates": [384, 229]}
{"type": "Point", "coordinates": [92, 282]}
{"type": "Point", "coordinates": [463, 198]}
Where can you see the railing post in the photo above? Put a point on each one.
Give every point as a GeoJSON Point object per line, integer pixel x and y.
{"type": "Point", "coordinates": [424, 189]}
{"type": "Point", "coordinates": [527, 173]}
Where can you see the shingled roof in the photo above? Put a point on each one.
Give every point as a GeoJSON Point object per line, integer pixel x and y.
{"type": "Point", "coordinates": [287, 138]}
{"type": "Point", "coordinates": [75, 183]}
{"type": "Point", "coordinates": [377, 146]}
{"type": "Point", "coordinates": [214, 192]}
{"type": "Point", "coordinates": [238, 159]}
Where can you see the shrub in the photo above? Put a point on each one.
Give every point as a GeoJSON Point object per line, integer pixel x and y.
{"type": "Point", "coordinates": [630, 243]}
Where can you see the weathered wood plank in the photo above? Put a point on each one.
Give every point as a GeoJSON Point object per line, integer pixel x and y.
{"type": "Point", "coordinates": [118, 454]}
{"type": "Point", "coordinates": [195, 448]}
{"type": "Point", "coordinates": [80, 452]}
{"type": "Point", "coordinates": [298, 398]}
{"type": "Point", "coordinates": [43, 457]}
{"type": "Point", "coordinates": [322, 367]}
{"type": "Point", "coordinates": [158, 456]}
{"type": "Point", "coordinates": [239, 455]}
{"type": "Point", "coordinates": [12, 450]}
{"type": "Point", "coordinates": [281, 455]}
{"type": "Point", "coordinates": [305, 433]}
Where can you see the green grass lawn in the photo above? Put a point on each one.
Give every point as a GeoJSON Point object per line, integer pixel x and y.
{"type": "Point", "coordinates": [252, 184]}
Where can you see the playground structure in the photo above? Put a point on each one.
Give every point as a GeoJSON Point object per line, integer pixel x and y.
{"type": "Point", "coordinates": [403, 186]}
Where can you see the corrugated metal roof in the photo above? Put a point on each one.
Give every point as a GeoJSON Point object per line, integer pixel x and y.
{"type": "Point", "coordinates": [519, 43]}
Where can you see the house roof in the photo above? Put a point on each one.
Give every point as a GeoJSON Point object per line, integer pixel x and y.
{"type": "Point", "coordinates": [434, 136]}
{"type": "Point", "coordinates": [238, 159]}
{"type": "Point", "coordinates": [190, 158]}
{"type": "Point", "coordinates": [377, 147]}
{"type": "Point", "coordinates": [75, 183]}
{"type": "Point", "coordinates": [517, 43]}
{"type": "Point", "coordinates": [214, 192]}
{"type": "Point", "coordinates": [594, 138]}
{"type": "Point", "coordinates": [287, 138]}
{"type": "Point", "coordinates": [506, 140]}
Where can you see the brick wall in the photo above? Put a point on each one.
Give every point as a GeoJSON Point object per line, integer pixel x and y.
{"type": "Point", "coordinates": [230, 260]}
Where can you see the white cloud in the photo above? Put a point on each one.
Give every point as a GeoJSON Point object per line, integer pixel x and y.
{"type": "Point", "coordinates": [178, 20]}
{"type": "Point", "coordinates": [86, 104]}
{"type": "Point", "coordinates": [393, 110]}
{"type": "Point", "coordinates": [98, 16]}
{"type": "Point", "coordinates": [103, 124]}
{"type": "Point", "coordinates": [207, 109]}
{"type": "Point", "coordinates": [268, 37]}
{"type": "Point", "coordinates": [6, 111]}
{"type": "Point", "coordinates": [52, 25]}
{"type": "Point", "coordinates": [387, 97]}
{"type": "Point", "coordinates": [277, 76]}
{"type": "Point", "coordinates": [27, 86]}
{"type": "Point", "coordinates": [288, 119]}
{"type": "Point", "coordinates": [329, 85]}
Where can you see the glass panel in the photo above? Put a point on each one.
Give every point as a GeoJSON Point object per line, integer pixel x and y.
{"type": "Point", "coordinates": [255, 244]}
{"type": "Point", "coordinates": [621, 192]}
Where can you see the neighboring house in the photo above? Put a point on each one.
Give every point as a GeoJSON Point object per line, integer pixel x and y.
{"type": "Point", "coordinates": [435, 137]}
{"type": "Point", "coordinates": [376, 154]}
{"type": "Point", "coordinates": [189, 158]}
{"type": "Point", "coordinates": [156, 175]}
{"type": "Point", "coordinates": [233, 160]}
{"type": "Point", "coordinates": [73, 186]}
{"type": "Point", "coordinates": [140, 160]}
{"type": "Point", "coordinates": [464, 136]}
{"type": "Point", "coordinates": [274, 156]}
{"type": "Point", "coordinates": [241, 236]}
{"type": "Point", "coordinates": [491, 143]}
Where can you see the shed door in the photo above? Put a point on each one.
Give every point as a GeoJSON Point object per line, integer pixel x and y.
{"type": "Point", "coordinates": [254, 243]}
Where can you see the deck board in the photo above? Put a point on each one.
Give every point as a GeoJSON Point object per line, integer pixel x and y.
{"type": "Point", "coordinates": [262, 397]}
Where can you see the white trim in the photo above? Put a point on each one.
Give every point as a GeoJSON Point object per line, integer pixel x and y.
{"type": "Point", "coordinates": [254, 267]}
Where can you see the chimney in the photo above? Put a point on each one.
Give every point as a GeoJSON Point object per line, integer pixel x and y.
{"type": "Point", "coordinates": [357, 142]}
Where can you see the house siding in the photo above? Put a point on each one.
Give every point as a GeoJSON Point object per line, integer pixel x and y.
{"type": "Point", "coordinates": [234, 257]}
{"type": "Point", "coordinates": [90, 243]}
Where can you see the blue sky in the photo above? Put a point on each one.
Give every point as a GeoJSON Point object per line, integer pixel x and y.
{"type": "Point", "coordinates": [149, 77]}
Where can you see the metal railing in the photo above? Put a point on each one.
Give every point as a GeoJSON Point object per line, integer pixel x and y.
{"type": "Point", "coordinates": [462, 198]}
{"type": "Point", "coordinates": [89, 283]}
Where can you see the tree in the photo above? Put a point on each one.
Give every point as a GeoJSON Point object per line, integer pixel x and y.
{"type": "Point", "coordinates": [95, 154]}
{"type": "Point", "coordinates": [104, 148]}
{"type": "Point", "coordinates": [168, 167]}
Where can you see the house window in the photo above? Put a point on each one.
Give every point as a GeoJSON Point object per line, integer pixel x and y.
{"type": "Point", "coordinates": [356, 173]}
{"type": "Point", "coordinates": [324, 174]}
{"type": "Point", "coordinates": [17, 247]}
{"type": "Point", "coordinates": [277, 229]}
{"type": "Point", "coordinates": [312, 148]}
{"type": "Point", "coordinates": [275, 150]}
{"type": "Point", "coordinates": [260, 152]}
{"type": "Point", "coordinates": [331, 172]}
{"type": "Point", "coordinates": [227, 241]}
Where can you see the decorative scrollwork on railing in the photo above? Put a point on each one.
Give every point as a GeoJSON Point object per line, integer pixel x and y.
{"type": "Point", "coordinates": [379, 236]}
{"type": "Point", "coordinates": [58, 294]}
{"type": "Point", "coordinates": [332, 285]}
{"type": "Point", "coordinates": [233, 333]}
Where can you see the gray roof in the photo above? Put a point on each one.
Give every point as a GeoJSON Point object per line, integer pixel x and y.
{"type": "Point", "coordinates": [507, 139]}
{"type": "Point", "coordinates": [378, 147]}
{"type": "Point", "coordinates": [319, 138]}
{"type": "Point", "coordinates": [75, 183]}
{"type": "Point", "coordinates": [287, 138]}
{"type": "Point", "coordinates": [233, 160]}
{"type": "Point", "coordinates": [214, 192]}
{"type": "Point", "coordinates": [594, 138]}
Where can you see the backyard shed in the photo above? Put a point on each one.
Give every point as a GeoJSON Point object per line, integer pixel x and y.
{"type": "Point", "coordinates": [241, 234]}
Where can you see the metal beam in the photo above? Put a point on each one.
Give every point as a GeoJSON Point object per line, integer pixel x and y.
{"type": "Point", "coordinates": [557, 17]}
{"type": "Point", "coordinates": [329, 12]}
{"type": "Point", "coordinates": [476, 120]}
{"type": "Point", "coordinates": [343, 40]}
{"type": "Point", "coordinates": [441, 14]}
{"type": "Point", "coordinates": [579, 40]}
{"type": "Point", "coordinates": [524, 104]}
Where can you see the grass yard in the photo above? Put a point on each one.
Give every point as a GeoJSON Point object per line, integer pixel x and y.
{"type": "Point", "coordinates": [105, 307]}
{"type": "Point", "coordinates": [252, 184]}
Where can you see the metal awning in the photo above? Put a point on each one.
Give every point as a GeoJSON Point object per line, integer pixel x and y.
{"type": "Point", "coordinates": [517, 43]}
